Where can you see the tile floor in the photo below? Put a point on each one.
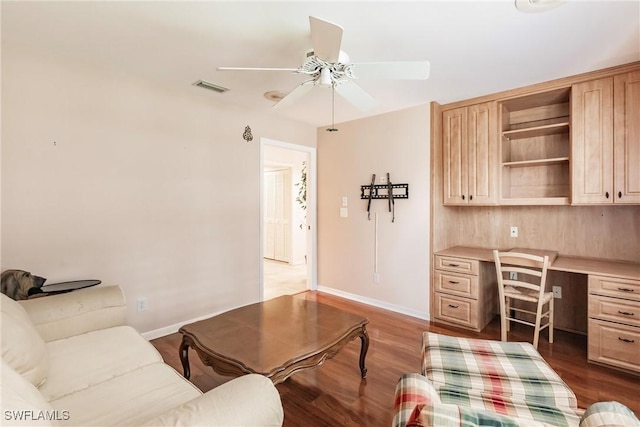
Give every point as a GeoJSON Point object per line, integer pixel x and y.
{"type": "Point", "coordinates": [280, 278]}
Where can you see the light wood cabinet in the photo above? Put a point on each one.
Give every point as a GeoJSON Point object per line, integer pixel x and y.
{"type": "Point", "coordinates": [470, 155]}
{"type": "Point", "coordinates": [626, 137]}
{"type": "Point", "coordinates": [464, 292]}
{"type": "Point", "coordinates": [614, 325]}
{"type": "Point", "coordinates": [606, 140]}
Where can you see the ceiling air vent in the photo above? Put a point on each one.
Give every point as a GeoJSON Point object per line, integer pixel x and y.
{"type": "Point", "coordinates": [210, 86]}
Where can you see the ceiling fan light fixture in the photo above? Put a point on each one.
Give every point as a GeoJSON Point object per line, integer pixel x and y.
{"type": "Point", "coordinates": [325, 77]}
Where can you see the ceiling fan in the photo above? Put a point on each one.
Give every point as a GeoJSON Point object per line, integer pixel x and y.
{"type": "Point", "coordinates": [329, 66]}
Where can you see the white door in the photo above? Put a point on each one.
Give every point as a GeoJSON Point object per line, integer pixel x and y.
{"type": "Point", "coordinates": [277, 207]}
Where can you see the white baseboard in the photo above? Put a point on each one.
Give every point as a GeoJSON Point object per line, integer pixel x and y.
{"type": "Point", "coordinates": [375, 303]}
{"type": "Point", "coordinates": [167, 330]}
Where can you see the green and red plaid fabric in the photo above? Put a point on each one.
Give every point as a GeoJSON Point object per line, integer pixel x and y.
{"type": "Point", "coordinates": [506, 378]}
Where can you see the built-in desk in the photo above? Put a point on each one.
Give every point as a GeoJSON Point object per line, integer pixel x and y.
{"type": "Point", "coordinates": [601, 298]}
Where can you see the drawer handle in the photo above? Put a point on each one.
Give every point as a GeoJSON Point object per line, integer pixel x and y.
{"type": "Point", "coordinates": [626, 290]}
{"type": "Point", "coordinates": [453, 306]}
{"type": "Point", "coordinates": [453, 265]}
{"type": "Point", "coordinates": [453, 282]}
{"type": "Point", "coordinates": [626, 313]}
{"type": "Point", "coordinates": [626, 340]}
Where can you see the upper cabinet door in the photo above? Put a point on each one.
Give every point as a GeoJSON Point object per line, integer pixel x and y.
{"type": "Point", "coordinates": [483, 154]}
{"type": "Point", "coordinates": [470, 155]}
{"type": "Point", "coordinates": [454, 156]}
{"type": "Point", "coordinates": [627, 138]}
{"type": "Point", "coordinates": [592, 142]}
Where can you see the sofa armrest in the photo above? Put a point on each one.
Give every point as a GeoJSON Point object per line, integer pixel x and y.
{"type": "Point", "coordinates": [250, 400]}
{"type": "Point", "coordinates": [73, 313]}
{"type": "Point", "coordinates": [412, 390]}
{"type": "Point", "coordinates": [609, 414]}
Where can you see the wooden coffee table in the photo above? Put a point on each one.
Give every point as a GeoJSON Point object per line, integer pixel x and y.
{"type": "Point", "coordinates": [274, 338]}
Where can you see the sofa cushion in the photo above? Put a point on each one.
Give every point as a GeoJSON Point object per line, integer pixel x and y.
{"type": "Point", "coordinates": [231, 404]}
{"type": "Point", "coordinates": [129, 399]}
{"type": "Point", "coordinates": [22, 347]}
{"type": "Point", "coordinates": [82, 361]}
{"type": "Point", "coordinates": [511, 369]}
{"type": "Point", "coordinates": [22, 403]}
{"type": "Point", "coordinates": [611, 414]}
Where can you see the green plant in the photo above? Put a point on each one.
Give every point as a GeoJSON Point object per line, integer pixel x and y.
{"type": "Point", "coordinates": [302, 193]}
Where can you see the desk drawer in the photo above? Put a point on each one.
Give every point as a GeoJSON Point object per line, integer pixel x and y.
{"type": "Point", "coordinates": [457, 284]}
{"type": "Point", "coordinates": [460, 311]}
{"type": "Point", "coordinates": [458, 265]}
{"type": "Point", "coordinates": [613, 287]}
{"type": "Point", "coordinates": [614, 309]}
{"type": "Point", "coordinates": [614, 344]}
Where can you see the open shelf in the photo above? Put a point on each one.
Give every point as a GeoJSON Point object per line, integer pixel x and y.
{"type": "Point", "coordinates": [539, 162]}
{"type": "Point", "coordinates": [535, 149]}
{"type": "Point", "coordinates": [531, 132]}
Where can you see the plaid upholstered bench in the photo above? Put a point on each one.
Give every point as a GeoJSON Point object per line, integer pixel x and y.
{"type": "Point", "coordinates": [472, 382]}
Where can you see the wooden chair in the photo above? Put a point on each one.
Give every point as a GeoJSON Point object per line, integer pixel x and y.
{"type": "Point", "coordinates": [529, 286]}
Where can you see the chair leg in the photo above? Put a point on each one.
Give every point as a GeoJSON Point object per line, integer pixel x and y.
{"type": "Point", "coordinates": [536, 332]}
{"type": "Point", "coordinates": [507, 315]}
{"type": "Point", "coordinates": [504, 323]}
{"type": "Point", "coordinates": [551, 315]}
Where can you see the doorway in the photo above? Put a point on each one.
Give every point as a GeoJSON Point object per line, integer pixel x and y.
{"type": "Point", "coordinates": [287, 218]}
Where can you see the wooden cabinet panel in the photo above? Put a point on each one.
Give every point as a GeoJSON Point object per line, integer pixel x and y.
{"type": "Point", "coordinates": [454, 146]}
{"type": "Point", "coordinates": [470, 155]}
{"type": "Point", "coordinates": [483, 154]}
{"type": "Point", "coordinates": [627, 138]}
{"type": "Point", "coordinates": [461, 311]}
{"type": "Point", "coordinates": [614, 287]}
{"type": "Point", "coordinates": [615, 310]}
{"type": "Point", "coordinates": [614, 344]}
{"type": "Point", "coordinates": [457, 265]}
{"type": "Point", "coordinates": [592, 142]}
{"type": "Point", "coordinates": [457, 284]}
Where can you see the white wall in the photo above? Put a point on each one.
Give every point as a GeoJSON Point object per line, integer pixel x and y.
{"type": "Point", "coordinates": [397, 143]}
{"type": "Point", "coordinates": [111, 177]}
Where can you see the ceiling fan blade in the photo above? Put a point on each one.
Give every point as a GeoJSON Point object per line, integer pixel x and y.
{"type": "Point", "coordinates": [356, 95]}
{"type": "Point", "coordinates": [295, 94]}
{"type": "Point", "coordinates": [255, 69]}
{"type": "Point", "coordinates": [326, 38]}
{"type": "Point", "coordinates": [406, 70]}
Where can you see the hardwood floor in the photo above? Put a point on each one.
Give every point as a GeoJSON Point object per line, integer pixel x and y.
{"type": "Point", "coordinates": [334, 394]}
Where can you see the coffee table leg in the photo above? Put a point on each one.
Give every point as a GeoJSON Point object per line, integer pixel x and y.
{"type": "Point", "coordinates": [184, 357]}
{"type": "Point", "coordinates": [364, 337]}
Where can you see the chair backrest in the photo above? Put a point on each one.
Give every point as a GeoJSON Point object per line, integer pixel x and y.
{"type": "Point", "coordinates": [527, 266]}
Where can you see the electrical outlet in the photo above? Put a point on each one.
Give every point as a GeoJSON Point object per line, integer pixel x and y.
{"type": "Point", "coordinates": [376, 277]}
{"type": "Point", "coordinates": [513, 275]}
{"type": "Point", "coordinates": [557, 292]}
{"type": "Point", "coordinates": [383, 179]}
{"type": "Point", "coordinates": [142, 304]}
{"type": "Point", "coordinates": [514, 231]}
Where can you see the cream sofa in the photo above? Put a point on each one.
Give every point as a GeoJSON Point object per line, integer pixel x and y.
{"type": "Point", "coordinates": [70, 359]}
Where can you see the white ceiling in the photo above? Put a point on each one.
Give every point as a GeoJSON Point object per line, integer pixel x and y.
{"type": "Point", "coordinates": [475, 48]}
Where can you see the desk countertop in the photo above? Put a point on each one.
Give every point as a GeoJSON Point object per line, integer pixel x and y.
{"type": "Point", "coordinates": [597, 266]}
